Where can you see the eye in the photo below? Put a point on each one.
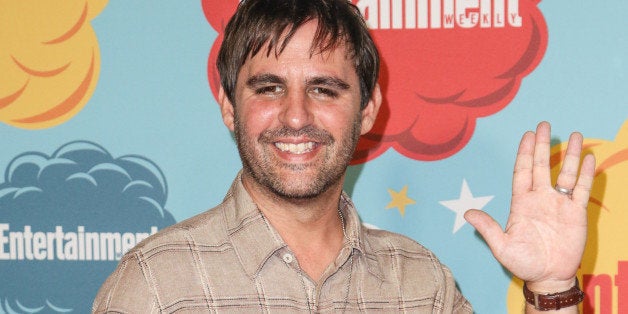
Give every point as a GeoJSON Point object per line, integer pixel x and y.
{"type": "Point", "coordinates": [325, 92]}
{"type": "Point", "coordinates": [269, 90]}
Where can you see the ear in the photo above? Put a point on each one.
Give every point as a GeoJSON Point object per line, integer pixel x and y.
{"type": "Point", "coordinates": [369, 113]}
{"type": "Point", "coordinates": [226, 109]}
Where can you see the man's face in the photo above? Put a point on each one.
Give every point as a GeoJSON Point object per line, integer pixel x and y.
{"type": "Point", "coordinates": [297, 117]}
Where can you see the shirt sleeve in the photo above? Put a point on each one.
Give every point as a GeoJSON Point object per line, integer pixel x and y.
{"type": "Point", "coordinates": [126, 290]}
{"type": "Point", "coordinates": [454, 298]}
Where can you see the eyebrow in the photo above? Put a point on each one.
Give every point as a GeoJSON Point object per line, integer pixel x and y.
{"type": "Point", "coordinates": [328, 81]}
{"type": "Point", "coordinates": [267, 78]}
{"type": "Point", "coordinates": [262, 79]}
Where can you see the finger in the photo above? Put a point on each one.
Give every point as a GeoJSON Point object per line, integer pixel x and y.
{"type": "Point", "coordinates": [522, 174]}
{"type": "Point", "coordinates": [569, 170]}
{"type": "Point", "coordinates": [540, 168]}
{"type": "Point", "coordinates": [583, 187]}
{"type": "Point", "coordinates": [490, 230]}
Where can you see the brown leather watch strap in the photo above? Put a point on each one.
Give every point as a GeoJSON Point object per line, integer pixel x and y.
{"type": "Point", "coordinates": [554, 301]}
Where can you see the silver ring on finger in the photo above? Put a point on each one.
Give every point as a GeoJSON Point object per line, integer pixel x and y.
{"type": "Point", "coordinates": [564, 191]}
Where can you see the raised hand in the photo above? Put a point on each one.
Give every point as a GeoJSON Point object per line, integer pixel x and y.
{"type": "Point", "coordinates": [546, 231]}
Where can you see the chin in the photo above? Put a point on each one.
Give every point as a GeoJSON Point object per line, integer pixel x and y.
{"type": "Point", "coordinates": [305, 187]}
{"type": "Point", "coordinates": [298, 191]}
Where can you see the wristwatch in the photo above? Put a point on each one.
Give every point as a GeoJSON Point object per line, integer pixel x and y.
{"type": "Point", "coordinates": [554, 301]}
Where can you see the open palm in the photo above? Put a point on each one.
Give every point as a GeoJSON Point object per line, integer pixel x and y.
{"type": "Point", "coordinates": [545, 234]}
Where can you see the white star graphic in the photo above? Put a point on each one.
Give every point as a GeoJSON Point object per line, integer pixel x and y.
{"type": "Point", "coordinates": [464, 203]}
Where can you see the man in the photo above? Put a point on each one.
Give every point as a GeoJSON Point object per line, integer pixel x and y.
{"type": "Point", "coordinates": [299, 86]}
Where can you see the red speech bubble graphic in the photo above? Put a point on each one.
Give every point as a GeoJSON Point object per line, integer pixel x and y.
{"type": "Point", "coordinates": [445, 63]}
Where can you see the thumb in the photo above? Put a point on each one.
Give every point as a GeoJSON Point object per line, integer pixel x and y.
{"type": "Point", "coordinates": [490, 230]}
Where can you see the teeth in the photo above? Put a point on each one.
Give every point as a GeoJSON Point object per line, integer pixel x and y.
{"type": "Point", "coordinates": [300, 148]}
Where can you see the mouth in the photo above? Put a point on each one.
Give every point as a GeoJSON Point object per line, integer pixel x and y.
{"type": "Point", "coordinates": [295, 148]}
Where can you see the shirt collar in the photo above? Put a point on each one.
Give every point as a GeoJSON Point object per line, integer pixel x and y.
{"type": "Point", "coordinates": [254, 240]}
{"type": "Point", "coordinates": [356, 236]}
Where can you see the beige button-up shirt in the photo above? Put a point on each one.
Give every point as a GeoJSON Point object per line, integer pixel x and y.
{"type": "Point", "coordinates": [231, 260]}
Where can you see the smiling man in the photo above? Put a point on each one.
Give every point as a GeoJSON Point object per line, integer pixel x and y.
{"type": "Point", "coordinates": [299, 86]}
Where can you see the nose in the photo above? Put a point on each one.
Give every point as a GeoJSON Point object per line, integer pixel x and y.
{"type": "Point", "coordinates": [296, 111]}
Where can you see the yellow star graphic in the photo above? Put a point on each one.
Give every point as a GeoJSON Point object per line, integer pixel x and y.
{"type": "Point", "coordinates": [400, 200]}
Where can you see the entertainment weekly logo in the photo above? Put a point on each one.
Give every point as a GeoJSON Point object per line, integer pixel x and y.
{"type": "Point", "coordinates": [65, 245]}
{"type": "Point", "coordinates": [67, 218]}
{"type": "Point", "coordinates": [445, 63]}
{"type": "Point", "coordinates": [430, 14]}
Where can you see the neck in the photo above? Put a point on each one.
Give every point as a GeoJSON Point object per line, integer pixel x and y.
{"type": "Point", "coordinates": [312, 228]}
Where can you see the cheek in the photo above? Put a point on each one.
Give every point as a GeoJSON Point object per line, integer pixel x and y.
{"type": "Point", "coordinates": [337, 121]}
{"type": "Point", "coordinates": [257, 117]}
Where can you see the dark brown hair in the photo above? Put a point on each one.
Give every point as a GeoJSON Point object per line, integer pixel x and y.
{"type": "Point", "coordinates": [260, 22]}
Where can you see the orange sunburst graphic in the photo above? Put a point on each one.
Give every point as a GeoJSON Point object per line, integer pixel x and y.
{"type": "Point", "coordinates": [49, 60]}
{"type": "Point", "coordinates": [603, 273]}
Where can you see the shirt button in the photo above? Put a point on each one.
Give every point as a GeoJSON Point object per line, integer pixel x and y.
{"type": "Point", "coordinates": [287, 258]}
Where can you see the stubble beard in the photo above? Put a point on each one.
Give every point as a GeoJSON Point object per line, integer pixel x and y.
{"type": "Point", "coordinates": [258, 163]}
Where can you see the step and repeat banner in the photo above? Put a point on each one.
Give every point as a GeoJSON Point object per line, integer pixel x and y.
{"type": "Point", "coordinates": [110, 131]}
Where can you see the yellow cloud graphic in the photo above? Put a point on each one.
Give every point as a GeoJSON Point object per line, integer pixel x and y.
{"type": "Point", "coordinates": [49, 60]}
{"type": "Point", "coordinates": [603, 273]}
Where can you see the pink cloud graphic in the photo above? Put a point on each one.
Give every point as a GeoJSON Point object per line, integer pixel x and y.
{"type": "Point", "coordinates": [438, 77]}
